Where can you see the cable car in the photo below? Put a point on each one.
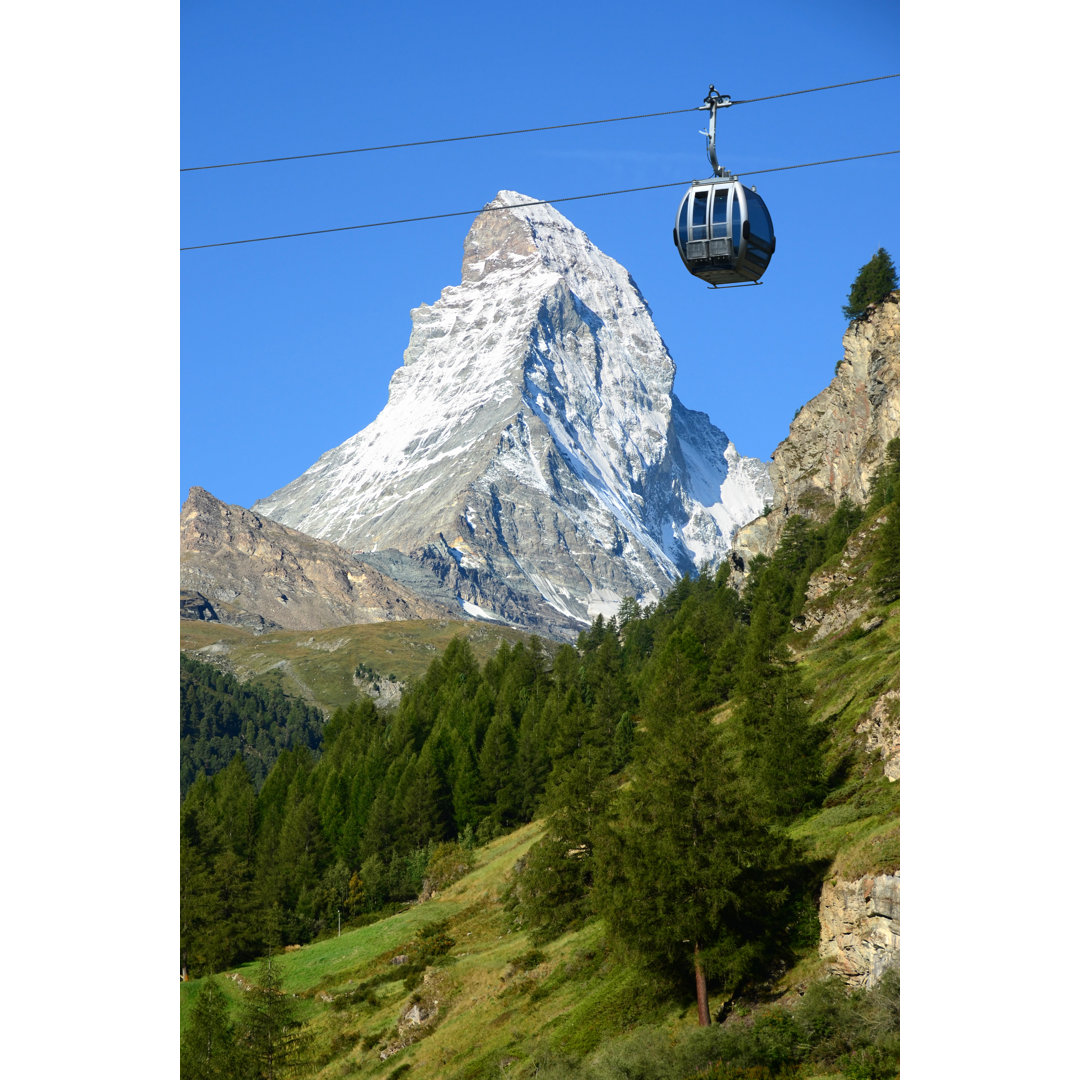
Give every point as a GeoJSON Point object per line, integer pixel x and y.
{"type": "Point", "coordinates": [723, 229]}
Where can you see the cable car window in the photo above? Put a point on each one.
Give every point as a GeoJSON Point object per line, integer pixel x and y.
{"type": "Point", "coordinates": [760, 222]}
{"type": "Point", "coordinates": [700, 201]}
{"type": "Point", "coordinates": [719, 213]}
{"type": "Point", "coordinates": [758, 254]}
{"type": "Point", "coordinates": [683, 211]}
{"type": "Point", "coordinates": [736, 223]}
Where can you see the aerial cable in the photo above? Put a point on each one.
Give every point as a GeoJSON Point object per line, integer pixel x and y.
{"type": "Point", "coordinates": [432, 142]}
{"type": "Point", "coordinates": [515, 206]}
{"type": "Point", "coordinates": [814, 89]}
{"type": "Point", "coordinates": [517, 131]}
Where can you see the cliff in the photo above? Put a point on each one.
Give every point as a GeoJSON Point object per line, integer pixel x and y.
{"type": "Point", "coordinates": [837, 441]}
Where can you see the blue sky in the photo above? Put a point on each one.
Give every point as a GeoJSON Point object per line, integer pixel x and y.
{"type": "Point", "coordinates": [287, 346]}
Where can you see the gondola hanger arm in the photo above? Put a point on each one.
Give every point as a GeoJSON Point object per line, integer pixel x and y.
{"type": "Point", "coordinates": [714, 100]}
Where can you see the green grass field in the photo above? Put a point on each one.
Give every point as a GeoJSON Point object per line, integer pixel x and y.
{"type": "Point", "coordinates": [497, 1007]}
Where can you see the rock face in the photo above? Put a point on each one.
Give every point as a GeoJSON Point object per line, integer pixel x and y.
{"type": "Point", "coordinates": [860, 927]}
{"type": "Point", "coordinates": [882, 731]}
{"type": "Point", "coordinates": [532, 454]}
{"type": "Point", "coordinates": [832, 604]}
{"type": "Point", "coordinates": [838, 439]}
{"type": "Point", "coordinates": [239, 568]}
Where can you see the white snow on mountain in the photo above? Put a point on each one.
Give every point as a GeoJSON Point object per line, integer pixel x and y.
{"type": "Point", "coordinates": [531, 439]}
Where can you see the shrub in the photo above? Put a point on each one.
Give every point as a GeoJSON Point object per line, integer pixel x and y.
{"type": "Point", "coordinates": [448, 863]}
{"type": "Point", "coordinates": [528, 960]}
{"type": "Point", "coordinates": [871, 1063]}
{"type": "Point", "coordinates": [433, 941]}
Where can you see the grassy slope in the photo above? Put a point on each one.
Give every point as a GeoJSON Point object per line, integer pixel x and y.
{"type": "Point", "coordinates": [859, 825]}
{"type": "Point", "coordinates": [493, 1017]}
{"type": "Point", "coordinates": [318, 665]}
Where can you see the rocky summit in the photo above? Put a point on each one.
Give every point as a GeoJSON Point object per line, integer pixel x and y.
{"type": "Point", "coordinates": [532, 456]}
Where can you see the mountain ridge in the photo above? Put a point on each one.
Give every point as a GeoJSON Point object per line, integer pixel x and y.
{"type": "Point", "coordinates": [239, 568]}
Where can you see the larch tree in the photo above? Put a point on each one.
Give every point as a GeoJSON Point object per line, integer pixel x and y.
{"type": "Point", "coordinates": [273, 1041]}
{"type": "Point", "coordinates": [687, 873]}
{"type": "Point", "coordinates": [208, 1049]}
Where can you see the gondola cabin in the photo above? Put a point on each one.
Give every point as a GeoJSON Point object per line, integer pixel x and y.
{"type": "Point", "coordinates": [724, 232]}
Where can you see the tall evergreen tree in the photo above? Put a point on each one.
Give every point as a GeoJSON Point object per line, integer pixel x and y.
{"type": "Point", "coordinates": [217, 897]}
{"type": "Point", "coordinates": [497, 774]}
{"type": "Point", "coordinates": [533, 761]}
{"type": "Point", "coordinates": [781, 746]}
{"type": "Point", "coordinates": [553, 889]}
{"type": "Point", "coordinates": [687, 873]}
{"type": "Point", "coordinates": [676, 680]}
{"type": "Point", "coordinates": [872, 284]}
{"type": "Point", "coordinates": [465, 785]}
{"type": "Point", "coordinates": [885, 568]}
{"type": "Point", "coordinates": [424, 803]}
{"type": "Point", "coordinates": [273, 1041]}
{"type": "Point", "coordinates": [208, 1049]}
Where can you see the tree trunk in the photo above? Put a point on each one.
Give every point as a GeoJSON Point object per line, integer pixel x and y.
{"type": "Point", "coordinates": [703, 1017]}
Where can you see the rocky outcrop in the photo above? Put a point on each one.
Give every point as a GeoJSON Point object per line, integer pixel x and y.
{"type": "Point", "coordinates": [837, 441]}
{"type": "Point", "coordinates": [882, 732]}
{"type": "Point", "coordinates": [194, 605]}
{"type": "Point", "coordinates": [385, 693]}
{"type": "Point", "coordinates": [531, 454]}
{"type": "Point", "coordinates": [860, 927]}
{"type": "Point", "coordinates": [421, 1016]}
{"type": "Point", "coordinates": [834, 601]}
{"type": "Point", "coordinates": [239, 568]}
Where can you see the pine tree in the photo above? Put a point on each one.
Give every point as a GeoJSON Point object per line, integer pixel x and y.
{"type": "Point", "coordinates": [235, 795]}
{"type": "Point", "coordinates": [496, 766]}
{"type": "Point", "coordinates": [553, 889]}
{"type": "Point", "coordinates": [885, 570]}
{"type": "Point", "coordinates": [273, 1041]}
{"type": "Point", "coordinates": [675, 680]}
{"type": "Point", "coordinates": [872, 284]}
{"type": "Point", "coordinates": [217, 896]}
{"type": "Point", "coordinates": [208, 1048]}
{"type": "Point", "coordinates": [687, 874]}
{"type": "Point", "coordinates": [623, 745]}
{"type": "Point", "coordinates": [423, 803]}
{"type": "Point", "coordinates": [533, 761]}
{"type": "Point", "coordinates": [780, 743]}
{"type": "Point", "coordinates": [465, 785]}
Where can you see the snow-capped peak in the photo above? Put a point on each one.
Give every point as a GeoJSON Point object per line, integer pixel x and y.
{"type": "Point", "coordinates": [533, 417]}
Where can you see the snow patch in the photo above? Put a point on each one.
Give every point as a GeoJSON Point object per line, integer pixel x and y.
{"type": "Point", "coordinates": [478, 612]}
{"type": "Point", "coordinates": [604, 602]}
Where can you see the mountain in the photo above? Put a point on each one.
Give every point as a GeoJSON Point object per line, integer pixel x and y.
{"type": "Point", "coordinates": [532, 455]}
{"type": "Point", "coordinates": [239, 568]}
